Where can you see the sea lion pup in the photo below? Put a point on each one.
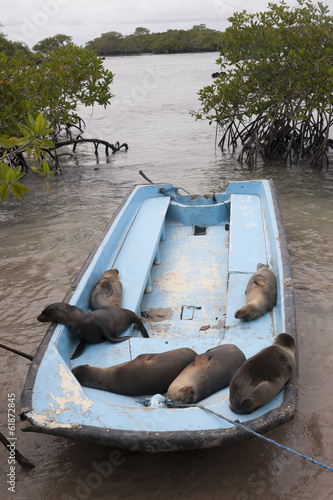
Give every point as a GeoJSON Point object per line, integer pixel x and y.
{"type": "Point", "coordinates": [209, 372]}
{"type": "Point", "coordinates": [107, 291]}
{"type": "Point", "coordinates": [146, 374]}
{"type": "Point", "coordinates": [261, 294]}
{"type": "Point", "coordinates": [263, 375]}
{"type": "Point", "coordinates": [92, 326]}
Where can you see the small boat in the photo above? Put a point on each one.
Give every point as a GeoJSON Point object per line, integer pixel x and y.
{"type": "Point", "coordinates": [184, 262]}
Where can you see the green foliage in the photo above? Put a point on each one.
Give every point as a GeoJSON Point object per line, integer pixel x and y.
{"type": "Point", "coordinates": [107, 43]}
{"type": "Point", "coordinates": [8, 182]}
{"type": "Point", "coordinates": [12, 48]}
{"type": "Point", "coordinates": [53, 87]}
{"type": "Point", "coordinates": [52, 43]}
{"type": "Point", "coordinates": [141, 31]}
{"type": "Point", "coordinates": [197, 39]}
{"type": "Point", "coordinates": [49, 87]}
{"type": "Point", "coordinates": [33, 140]}
{"type": "Point", "coordinates": [277, 68]}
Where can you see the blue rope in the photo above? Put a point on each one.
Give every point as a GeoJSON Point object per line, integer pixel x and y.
{"type": "Point", "coordinates": [236, 422]}
{"type": "Point", "coordinates": [299, 158]}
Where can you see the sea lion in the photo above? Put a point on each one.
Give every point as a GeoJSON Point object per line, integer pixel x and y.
{"type": "Point", "coordinates": [92, 326]}
{"type": "Point", "coordinates": [208, 373]}
{"type": "Point", "coordinates": [107, 291]}
{"type": "Point", "coordinates": [146, 374]}
{"type": "Point", "coordinates": [261, 294]}
{"type": "Point", "coordinates": [263, 375]}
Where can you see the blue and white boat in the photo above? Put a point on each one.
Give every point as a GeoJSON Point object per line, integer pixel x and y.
{"type": "Point", "coordinates": [184, 262]}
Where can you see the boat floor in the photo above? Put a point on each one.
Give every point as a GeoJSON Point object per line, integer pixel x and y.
{"type": "Point", "coordinates": [188, 305]}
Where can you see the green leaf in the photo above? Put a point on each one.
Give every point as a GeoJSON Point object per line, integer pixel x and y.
{"type": "Point", "coordinates": [37, 170]}
{"type": "Point", "coordinates": [32, 122]}
{"type": "Point", "coordinates": [48, 186]}
{"type": "Point", "coordinates": [6, 142]}
{"type": "Point", "coordinates": [5, 192]}
{"type": "Point", "coordinates": [40, 124]}
{"type": "Point", "coordinates": [18, 190]}
{"type": "Point", "coordinates": [46, 167]}
{"type": "Point", "coordinates": [46, 144]}
{"type": "Point", "coordinates": [36, 150]}
{"type": "Point", "coordinates": [9, 175]}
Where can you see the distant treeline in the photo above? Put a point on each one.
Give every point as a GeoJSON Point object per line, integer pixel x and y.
{"type": "Point", "coordinates": [197, 39]}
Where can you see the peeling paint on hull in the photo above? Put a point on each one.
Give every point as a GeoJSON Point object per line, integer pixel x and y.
{"type": "Point", "coordinates": [194, 255]}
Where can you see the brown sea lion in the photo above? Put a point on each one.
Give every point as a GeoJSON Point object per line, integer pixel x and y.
{"type": "Point", "coordinates": [92, 326]}
{"type": "Point", "coordinates": [107, 291]}
{"type": "Point", "coordinates": [261, 294]}
{"type": "Point", "coordinates": [263, 375]}
{"type": "Point", "coordinates": [144, 375]}
{"type": "Point", "coordinates": [209, 372]}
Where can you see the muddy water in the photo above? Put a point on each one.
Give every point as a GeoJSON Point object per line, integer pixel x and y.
{"type": "Point", "coordinates": [44, 241]}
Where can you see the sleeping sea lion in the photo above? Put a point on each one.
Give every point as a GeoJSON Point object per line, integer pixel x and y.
{"type": "Point", "coordinates": [209, 372]}
{"type": "Point", "coordinates": [146, 374]}
{"type": "Point", "coordinates": [263, 375]}
{"type": "Point", "coordinates": [261, 294]}
{"type": "Point", "coordinates": [92, 326]}
{"type": "Point", "coordinates": [107, 291]}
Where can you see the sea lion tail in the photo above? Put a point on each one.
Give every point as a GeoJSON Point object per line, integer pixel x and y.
{"type": "Point", "coordinates": [140, 325]}
{"type": "Point", "coordinates": [249, 312]}
{"type": "Point", "coordinates": [79, 349]}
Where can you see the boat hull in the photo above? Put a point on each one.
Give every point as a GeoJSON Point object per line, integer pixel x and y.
{"type": "Point", "coordinates": [184, 263]}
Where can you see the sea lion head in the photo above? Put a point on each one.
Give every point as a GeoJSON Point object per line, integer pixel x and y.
{"type": "Point", "coordinates": [260, 265]}
{"type": "Point", "coordinates": [248, 312]}
{"type": "Point", "coordinates": [53, 312]}
{"type": "Point", "coordinates": [83, 374]}
{"type": "Point", "coordinates": [285, 340]}
{"type": "Point", "coordinates": [111, 273]}
{"type": "Point", "coordinates": [243, 406]}
{"type": "Point", "coordinates": [182, 395]}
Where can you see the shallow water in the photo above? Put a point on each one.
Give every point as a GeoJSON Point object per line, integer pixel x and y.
{"type": "Point", "coordinates": [44, 241]}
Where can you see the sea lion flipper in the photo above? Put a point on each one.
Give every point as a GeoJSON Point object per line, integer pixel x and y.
{"type": "Point", "coordinates": [118, 339]}
{"type": "Point", "coordinates": [140, 325]}
{"type": "Point", "coordinates": [79, 350]}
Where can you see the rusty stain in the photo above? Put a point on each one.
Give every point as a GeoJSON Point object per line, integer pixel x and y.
{"type": "Point", "coordinates": [157, 314]}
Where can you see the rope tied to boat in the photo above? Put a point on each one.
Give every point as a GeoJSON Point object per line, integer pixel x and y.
{"type": "Point", "coordinates": [159, 401]}
{"type": "Point", "coordinates": [256, 434]}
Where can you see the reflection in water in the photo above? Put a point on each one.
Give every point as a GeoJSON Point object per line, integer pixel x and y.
{"type": "Point", "coordinates": [45, 240]}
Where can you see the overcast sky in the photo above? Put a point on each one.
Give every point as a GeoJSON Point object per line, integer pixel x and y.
{"type": "Point", "coordinates": [33, 20]}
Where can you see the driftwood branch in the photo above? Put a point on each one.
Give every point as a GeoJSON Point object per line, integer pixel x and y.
{"type": "Point", "coordinates": [108, 146]}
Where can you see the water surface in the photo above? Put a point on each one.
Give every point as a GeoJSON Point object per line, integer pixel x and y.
{"type": "Point", "coordinates": [44, 241]}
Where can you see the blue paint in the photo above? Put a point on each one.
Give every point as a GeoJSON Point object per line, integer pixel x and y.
{"type": "Point", "coordinates": [196, 283]}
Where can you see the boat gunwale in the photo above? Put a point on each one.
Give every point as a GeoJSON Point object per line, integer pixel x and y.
{"type": "Point", "coordinates": [26, 395]}
{"type": "Point", "coordinates": [155, 441]}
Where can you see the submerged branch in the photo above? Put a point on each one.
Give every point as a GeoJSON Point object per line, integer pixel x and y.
{"type": "Point", "coordinates": [114, 147]}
